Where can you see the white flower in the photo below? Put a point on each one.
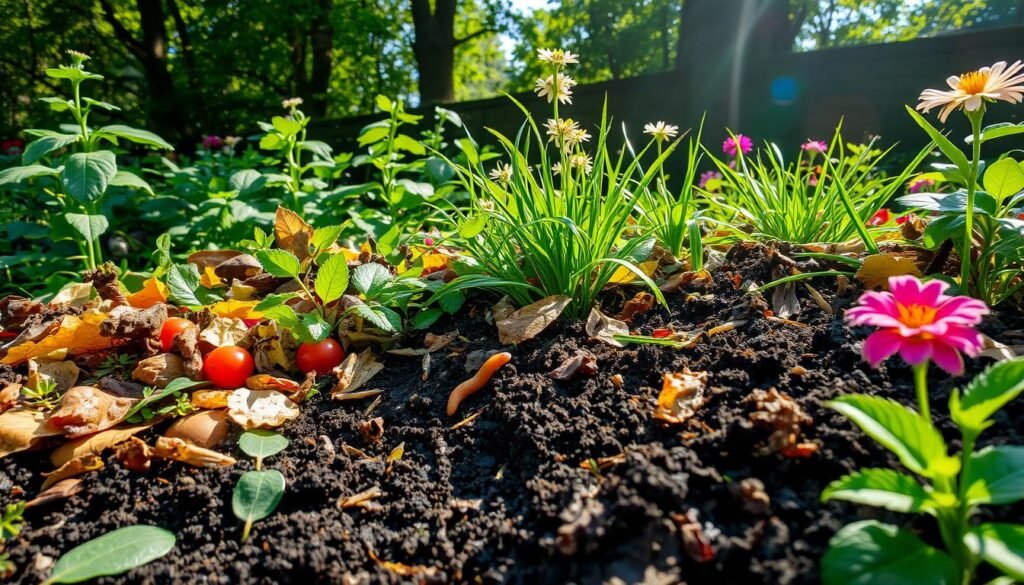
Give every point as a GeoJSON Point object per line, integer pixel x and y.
{"type": "Point", "coordinates": [232, 141]}
{"type": "Point", "coordinates": [972, 90]}
{"type": "Point", "coordinates": [557, 57]}
{"type": "Point", "coordinates": [581, 161]}
{"type": "Point", "coordinates": [556, 168]}
{"type": "Point", "coordinates": [661, 131]}
{"type": "Point", "coordinates": [565, 132]}
{"type": "Point", "coordinates": [502, 174]}
{"type": "Point", "coordinates": [556, 86]}
{"type": "Point", "coordinates": [291, 103]}
{"type": "Point", "coordinates": [77, 56]}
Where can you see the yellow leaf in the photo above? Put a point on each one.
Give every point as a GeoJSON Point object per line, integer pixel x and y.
{"type": "Point", "coordinates": [76, 334]}
{"type": "Point", "coordinates": [350, 255]}
{"type": "Point", "coordinates": [153, 291]}
{"type": "Point", "coordinates": [95, 444]}
{"type": "Point", "coordinates": [876, 269]}
{"type": "Point", "coordinates": [623, 275]}
{"type": "Point", "coordinates": [84, 464]}
{"type": "Point", "coordinates": [235, 309]}
{"type": "Point", "coordinates": [209, 278]}
{"type": "Point", "coordinates": [21, 427]}
{"type": "Point", "coordinates": [292, 232]}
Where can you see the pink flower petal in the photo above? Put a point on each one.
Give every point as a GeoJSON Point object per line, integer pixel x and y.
{"type": "Point", "coordinates": [962, 310]}
{"type": "Point", "coordinates": [947, 358]}
{"type": "Point", "coordinates": [915, 351]}
{"type": "Point", "coordinates": [964, 338]}
{"type": "Point", "coordinates": [880, 345]}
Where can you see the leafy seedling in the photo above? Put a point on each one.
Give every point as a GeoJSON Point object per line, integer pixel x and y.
{"type": "Point", "coordinates": [170, 399]}
{"type": "Point", "coordinates": [258, 493]}
{"type": "Point", "coordinates": [43, 397]}
{"type": "Point", "coordinates": [112, 554]}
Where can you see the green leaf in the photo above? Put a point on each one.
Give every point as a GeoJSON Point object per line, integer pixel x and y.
{"type": "Point", "coordinates": [86, 174]}
{"type": "Point", "coordinates": [41, 147]}
{"type": "Point", "coordinates": [996, 475]}
{"type": "Point", "coordinates": [247, 181]}
{"type": "Point", "coordinates": [101, 104]}
{"type": "Point", "coordinates": [452, 302]}
{"type": "Point", "coordinates": [986, 394]}
{"type": "Point", "coordinates": [332, 279]}
{"type": "Point", "coordinates": [58, 104]}
{"type": "Point", "coordinates": [314, 329]}
{"type": "Point", "coordinates": [284, 315]}
{"type": "Point", "coordinates": [954, 154]}
{"type": "Point", "coordinates": [883, 488]}
{"type": "Point", "coordinates": [90, 226]}
{"type": "Point", "coordinates": [378, 317]}
{"type": "Point", "coordinates": [130, 180]}
{"type": "Point", "coordinates": [369, 277]}
{"type": "Point", "coordinates": [373, 134]}
{"type": "Point", "coordinates": [286, 126]}
{"type": "Point", "coordinates": [112, 554]}
{"type": "Point", "coordinates": [271, 142]}
{"type": "Point", "coordinates": [19, 174]}
{"type": "Point", "coordinates": [409, 144]}
{"type": "Point", "coordinates": [320, 149]}
{"type": "Point", "coordinates": [261, 443]}
{"type": "Point", "coordinates": [472, 226]}
{"type": "Point", "coordinates": [998, 130]}
{"type": "Point", "coordinates": [323, 237]}
{"type": "Point", "coordinates": [280, 263]}
{"type": "Point", "coordinates": [257, 494]}
{"type": "Point", "coordinates": [917, 444]}
{"type": "Point", "coordinates": [872, 553]}
{"type": "Point", "coordinates": [183, 286]}
{"type": "Point", "coordinates": [1003, 178]}
{"type": "Point", "coordinates": [137, 136]}
{"type": "Point", "coordinates": [383, 103]}
{"type": "Point", "coordinates": [426, 318]}
{"type": "Point", "coordinates": [1001, 545]}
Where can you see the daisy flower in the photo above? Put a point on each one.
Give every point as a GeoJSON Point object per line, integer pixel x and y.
{"type": "Point", "coordinates": [557, 57]}
{"type": "Point", "coordinates": [554, 87]}
{"type": "Point", "coordinates": [971, 90]}
{"type": "Point", "coordinates": [291, 103]}
{"type": "Point", "coordinates": [582, 162]}
{"type": "Point", "coordinates": [737, 144]}
{"type": "Point", "coordinates": [819, 146]}
{"type": "Point", "coordinates": [661, 131]}
{"type": "Point", "coordinates": [502, 173]}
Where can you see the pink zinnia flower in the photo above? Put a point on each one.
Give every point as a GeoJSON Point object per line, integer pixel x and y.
{"type": "Point", "coordinates": [921, 185]}
{"type": "Point", "coordinates": [740, 143]}
{"type": "Point", "coordinates": [212, 142]}
{"type": "Point", "coordinates": [815, 146]}
{"type": "Point", "coordinates": [708, 176]}
{"type": "Point", "coordinates": [920, 322]}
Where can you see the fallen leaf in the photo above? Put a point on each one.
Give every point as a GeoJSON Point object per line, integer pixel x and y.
{"type": "Point", "coordinates": [268, 382]}
{"type": "Point", "coordinates": [372, 430]}
{"type": "Point", "coordinates": [877, 268]}
{"type": "Point", "coordinates": [361, 500]}
{"type": "Point", "coordinates": [205, 429]}
{"type": "Point", "coordinates": [682, 393]}
{"type": "Point", "coordinates": [502, 309]}
{"type": "Point", "coordinates": [235, 309]}
{"type": "Point", "coordinates": [583, 364]}
{"type": "Point", "coordinates": [211, 258]}
{"type": "Point", "coordinates": [211, 399]}
{"type": "Point", "coordinates": [623, 275]}
{"type": "Point", "coordinates": [223, 331]}
{"type": "Point", "coordinates": [292, 232]}
{"type": "Point", "coordinates": [782, 415]}
{"type": "Point", "coordinates": [85, 410]}
{"type": "Point", "coordinates": [139, 328]}
{"type": "Point", "coordinates": [63, 374]}
{"type": "Point", "coordinates": [9, 396]}
{"type": "Point", "coordinates": [159, 370]}
{"type": "Point", "coordinates": [681, 280]}
{"type": "Point", "coordinates": [135, 454]}
{"type": "Point", "coordinates": [75, 294]}
{"type": "Point", "coordinates": [995, 350]}
{"type": "Point", "coordinates": [603, 328]}
{"type": "Point", "coordinates": [152, 292]}
{"type": "Point", "coordinates": [60, 490]}
{"type": "Point", "coordinates": [209, 278]}
{"type": "Point", "coordinates": [178, 450]}
{"type": "Point", "coordinates": [638, 305]}
{"type": "Point", "coordinates": [403, 570]}
{"type": "Point", "coordinates": [77, 466]}
{"type": "Point", "coordinates": [529, 321]}
{"type": "Point", "coordinates": [355, 371]}
{"type": "Point", "coordinates": [76, 334]}
{"type": "Point", "coordinates": [95, 444]}
{"type": "Point", "coordinates": [238, 268]}
{"type": "Point", "coordinates": [269, 350]}
{"type": "Point", "coordinates": [266, 409]}
{"type": "Point", "coordinates": [20, 428]}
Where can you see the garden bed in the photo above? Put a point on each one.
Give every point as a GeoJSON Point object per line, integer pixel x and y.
{"type": "Point", "coordinates": [512, 496]}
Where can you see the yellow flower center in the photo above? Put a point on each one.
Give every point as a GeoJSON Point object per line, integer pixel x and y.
{"type": "Point", "coordinates": [916, 315]}
{"type": "Point", "coordinates": [973, 82]}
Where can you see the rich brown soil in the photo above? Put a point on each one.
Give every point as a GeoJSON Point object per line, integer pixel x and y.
{"type": "Point", "coordinates": [504, 499]}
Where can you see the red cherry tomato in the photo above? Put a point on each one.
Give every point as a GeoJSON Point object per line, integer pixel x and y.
{"type": "Point", "coordinates": [228, 366]}
{"type": "Point", "coordinates": [172, 327]}
{"type": "Point", "coordinates": [323, 356]}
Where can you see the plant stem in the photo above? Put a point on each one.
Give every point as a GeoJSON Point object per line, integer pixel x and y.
{"type": "Point", "coordinates": [246, 530]}
{"type": "Point", "coordinates": [968, 561]}
{"type": "Point", "coordinates": [972, 187]}
{"type": "Point", "coordinates": [921, 383]}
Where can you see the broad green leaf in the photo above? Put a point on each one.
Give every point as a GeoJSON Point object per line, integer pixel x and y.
{"type": "Point", "coordinates": [451, 303]}
{"type": "Point", "coordinates": [374, 134]}
{"type": "Point", "coordinates": [1003, 178]}
{"type": "Point", "coordinates": [409, 144]}
{"type": "Point", "coordinates": [884, 488]}
{"type": "Point", "coordinates": [86, 174]}
{"type": "Point", "coordinates": [137, 136]}
{"type": "Point", "coordinates": [58, 104]}
{"type": "Point", "coordinates": [332, 279]}
{"type": "Point", "coordinates": [996, 475]}
{"type": "Point", "coordinates": [19, 174]}
{"type": "Point", "coordinates": [368, 277]}
{"type": "Point", "coordinates": [986, 394]}
{"type": "Point", "coordinates": [323, 237]}
{"type": "Point", "coordinates": [1002, 545]}
{"type": "Point", "coordinates": [261, 443]}
{"type": "Point", "coordinates": [247, 181]}
{"type": "Point", "coordinates": [286, 126]}
{"type": "Point", "coordinates": [388, 241]}
{"type": "Point", "coordinates": [284, 315]}
{"type": "Point", "coordinates": [472, 226]}
{"type": "Point", "coordinates": [280, 263]}
{"type": "Point", "coordinates": [90, 226]}
{"type": "Point", "coordinates": [271, 142]}
{"type": "Point", "coordinates": [917, 444]}
{"type": "Point", "coordinates": [426, 318]}
{"type": "Point", "coordinates": [954, 154]}
{"type": "Point", "coordinates": [314, 329]}
{"type": "Point", "coordinates": [112, 554]}
{"type": "Point", "coordinates": [384, 104]}
{"type": "Point", "coordinates": [320, 149]}
{"type": "Point", "coordinates": [378, 317]}
{"type": "Point", "coordinates": [872, 553]}
{"type": "Point", "coordinates": [998, 130]}
{"type": "Point", "coordinates": [257, 494]}
{"type": "Point", "coordinates": [72, 73]}
{"type": "Point", "coordinates": [183, 286]}
{"type": "Point", "coordinates": [41, 147]}
{"type": "Point", "coordinates": [130, 180]}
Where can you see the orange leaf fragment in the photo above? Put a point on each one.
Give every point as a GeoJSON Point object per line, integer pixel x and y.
{"type": "Point", "coordinates": [682, 393]}
{"type": "Point", "coordinates": [877, 268]}
{"type": "Point", "coordinates": [77, 334]}
{"type": "Point", "coordinates": [292, 232]}
{"type": "Point", "coordinates": [152, 292]}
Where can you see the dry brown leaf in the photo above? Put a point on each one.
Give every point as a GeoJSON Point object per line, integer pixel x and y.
{"type": "Point", "coordinates": [403, 570]}
{"type": "Point", "coordinates": [223, 331]}
{"type": "Point", "coordinates": [528, 322]}
{"type": "Point", "coordinates": [680, 280]}
{"type": "Point", "coordinates": [784, 417]}
{"type": "Point", "coordinates": [502, 309]}
{"type": "Point", "coordinates": [21, 427]}
{"type": "Point", "coordinates": [269, 350]}
{"type": "Point", "coordinates": [603, 328]}
{"type": "Point", "coordinates": [211, 258]}
{"type": "Point", "coordinates": [638, 305]}
{"type": "Point", "coordinates": [260, 409]}
{"type": "Point", "coordinates": [77, 334]}
{"type": "Point", "coordinates": [211, 399]}
{"type": "Point", "coordinates": [159, 370]}
{"type": "Point", "coordinates": [95, 444]}
{"type": "Point", "coordinates": [583, 364]}
{"type": "Point", "coordinates": [372, 430]}
{"type": "Point", "coordinates": [292, 232]}
{"type": "Point", "coordinates": [63, 374]}
{"type": "Point", "coordinates": [995, 350]}
{"type": "Point", "coordinates": [152, 292]}
{"type": "Point", "coordinates": [134, 454]}
{"type": "Point", "coordinates": [682, 393]}
{"type": "Point", "coordinates": [85, 410]}
{"type": "Point", "coordinates": [268, 382]}
{"type": "Point", "coordinates": [355, 371]}
{"type": "Point", "coordinates": [77, 466]}
{"type": "Point", "coordinates": [238, 267]}
{"type": "Point", "coordinates": [205, 429]}
{"type": "Point", "coordinates": [178, 450]}
{"type": "Point", "coordinates": [877, 268]}
{"type": "Point", "coordinates": [9, 396]}
{"type": "Point", "coordinates": [75, 294]}
{"type": "Point", "coordinates": [361, 500]}
{"type": "Point", "coordinates": [61, 490]}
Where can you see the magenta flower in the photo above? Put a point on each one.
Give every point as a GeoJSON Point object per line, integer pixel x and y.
{"type": "Point", "coordinates": [921, 184]}
{"type": "Point", "coordinates": [819, 146]}
{"type": "Point", "coordinates": [212, 142]}
{"type": "Point", "coordinates": [920, 322]}
{"type": "Point", "coordinates": [739, 143]}
{"type": "Point", "coordinates": [707, 176]}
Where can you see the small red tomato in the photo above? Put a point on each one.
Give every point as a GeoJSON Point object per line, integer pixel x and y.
{"type": "Point", "coordinates": [322, 356]}
{"type": "Point", "coordinates": [228, 366]}
{"type": "Point", "coordinates": [172, 327]}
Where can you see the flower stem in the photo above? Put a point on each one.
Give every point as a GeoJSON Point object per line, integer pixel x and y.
{"type": "Point", "coordinates": [972, 188]}
{"type": "Point", "coordinates": [921, 383]}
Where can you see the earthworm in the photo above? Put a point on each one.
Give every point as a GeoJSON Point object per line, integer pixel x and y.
{"type": "Point", "coordinates": [482, 376]}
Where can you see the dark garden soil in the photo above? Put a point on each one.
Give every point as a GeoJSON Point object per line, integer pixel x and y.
{"type": "Point", "coordinates": [504, 498]}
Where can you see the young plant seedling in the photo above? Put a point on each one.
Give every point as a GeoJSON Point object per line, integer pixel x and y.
{"type": "Point", "coordinates": [10, 526]}
{"type": "Point", "coordinates": [870, 551]}
{"type": "Point", "coordinates": [43, 397]}
{"type": "Point", "coordinates": [258, 492]}
{"type": "Point", "coordinates": [171, 399]}
{"type": "Point", "coordinates": [112, 554]}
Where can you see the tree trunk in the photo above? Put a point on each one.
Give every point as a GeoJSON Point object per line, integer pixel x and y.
{"type": "Point", "coordinates": [322, 47]}
{"type": "Point", "coordinates": [434, 49]}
